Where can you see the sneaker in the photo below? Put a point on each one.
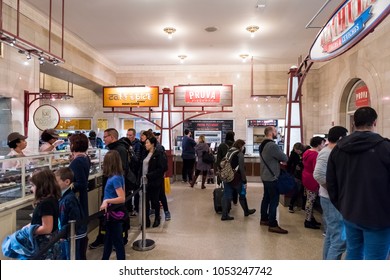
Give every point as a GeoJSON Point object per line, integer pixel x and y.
{"type": "Point", "coordinates": [96, 244]}
{"type": "Point", "coordinates": [133, 214]}
{"type": "Point", "coordinates": [277, 229]}
{"type": "Point", "coordinates": [309, 224]}
{"type": "Point", "coordinates": [167, 216]}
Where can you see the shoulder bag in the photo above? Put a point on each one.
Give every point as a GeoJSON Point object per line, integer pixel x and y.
{"type": "Point", "coordinates": [285, 182]}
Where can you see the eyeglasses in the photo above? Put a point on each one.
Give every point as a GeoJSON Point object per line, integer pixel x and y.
{"type": "Point", "coordinates": [105, 136]}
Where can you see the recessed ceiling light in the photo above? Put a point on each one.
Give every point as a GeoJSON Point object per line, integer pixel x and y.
{"type": "Point", "coordinates": [211, 29]}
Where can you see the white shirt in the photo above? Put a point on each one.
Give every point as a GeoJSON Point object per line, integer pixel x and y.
{"type": "Point", "coordinates": [16, 163]}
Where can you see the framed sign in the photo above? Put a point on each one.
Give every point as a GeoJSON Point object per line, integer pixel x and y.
{"type": "Point", "coordinates": [128, 96]}
{"type": "Point", "coordinates": [46, 117]}
{"type": "Point", "coordinates": [203, 95]}
{"type": "Point", "coordinates": [351, 22]}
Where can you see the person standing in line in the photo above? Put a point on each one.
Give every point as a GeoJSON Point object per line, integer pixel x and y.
{"type": "Point", "coordinates": [50, 140]}
{"type": "Point", "coordinates": [222, 150]}
{"type": "Point", "coordinates": [312, 187]}
{"type": "Point", "coordinates": [70, 209]}
{"type": "Point", "coordinates": [162, 196]}
{"type": "Point", "coordinates": [114, 193]}
{"type": "Point", "coordinates": [136, 144]}
{"type": "Point", "coordinates": [201, 167]}
{"type": "Point", "coordinates": [358, 184]}
{"type": "Point", "coordinates": [188, 156]}
{"type": "Point", "coordinates": [46, 192]}
{"type": "Point", "coordinates": [239, 183]}
{"type": "Point", "coordinates": [295, 167]}
{"type": "Point", "coordinates": [153, 173]}
{"type": "Point", "coordinates": [17, 142]}
{"type": "Point", "coordinates": [272, 155]}
{"type": "Point", "coordinates": [112, 142]}
{"type": "Point", "coordinates": [80, 166]}
{"type": "Point", "coordinates": [334, 242]}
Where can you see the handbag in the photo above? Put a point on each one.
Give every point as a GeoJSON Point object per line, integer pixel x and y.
{"type": "Point", "coordinates": [285, 182]}
{"type": "Point", "coordinates": [167, 185]}
{"type": "Point", "coordinates": [207, 157]}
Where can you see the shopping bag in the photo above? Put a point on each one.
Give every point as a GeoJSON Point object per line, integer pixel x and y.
{"type": "Point", "coordinates": [167, 185]}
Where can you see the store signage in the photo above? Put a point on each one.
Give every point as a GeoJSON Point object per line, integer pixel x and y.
{"type": "Point", "coordinates": [203, 96]}
{"type": "Point", "coordinates": [256, 123]}
{"type": "Point", "coordinates": [214, 130]}
{"type": "Point", "coordinates": [46, 117]}
{"type": "Point", "coordinates": [362, 96]}
{"type": "Point", "coordinates": [130, 96]}
{"type": "Point", "coordinates": [354, 20]}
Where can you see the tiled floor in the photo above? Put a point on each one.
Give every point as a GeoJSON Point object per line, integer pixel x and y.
{"type": "Point", "coordinates": [197, 233]}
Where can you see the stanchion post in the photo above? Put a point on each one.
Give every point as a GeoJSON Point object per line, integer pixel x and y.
{"type": "Point", "coordinates": [72, 238]}
{"type": "Point", "coordinates": [143, 244]}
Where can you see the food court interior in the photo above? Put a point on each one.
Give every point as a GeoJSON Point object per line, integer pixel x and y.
{"type": "Point", "coordinates": [75, 82]}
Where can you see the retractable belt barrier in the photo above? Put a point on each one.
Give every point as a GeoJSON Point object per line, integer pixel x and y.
{"type": "Point", "coordinates": [64, 232]}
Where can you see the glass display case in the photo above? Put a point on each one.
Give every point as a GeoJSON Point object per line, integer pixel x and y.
{"type": "Point", "coordinates": [15, 181]}
{"type": "Point", "coordinates": [15, 188]}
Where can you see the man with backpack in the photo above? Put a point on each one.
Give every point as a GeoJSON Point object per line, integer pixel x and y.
{"type": "Point", "coordinates": [222, 150]}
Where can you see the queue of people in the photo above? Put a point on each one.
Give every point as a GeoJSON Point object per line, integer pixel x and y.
{"type": "Point", "coordinates": [350, 174]}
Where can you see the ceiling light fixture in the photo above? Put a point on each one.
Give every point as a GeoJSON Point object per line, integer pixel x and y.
{"type": "Point", "coordinates": [169, 31]}
{"type": "Point", "coordinates": [28, 49]}
{"type": "Point", "coordinates": [244, 57]}
{"type": "Point", "coordinates": [182, 57]}
{"type": "Point", "coordinates": [252, 29]}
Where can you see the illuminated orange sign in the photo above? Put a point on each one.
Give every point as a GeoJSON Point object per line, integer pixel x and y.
{"type": "Point", "coordinates": [130, 96]}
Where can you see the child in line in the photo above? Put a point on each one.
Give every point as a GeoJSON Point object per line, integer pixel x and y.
{"type": "Point", "coordinates": [69, 208]}
{"type": "Point", "coordinates": [114, 193]}
{"type": "Point", "coordinates": [46, 194]}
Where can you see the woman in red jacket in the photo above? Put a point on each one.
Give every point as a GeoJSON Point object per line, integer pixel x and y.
{"type": "Point", "coordinates": [309, 159]}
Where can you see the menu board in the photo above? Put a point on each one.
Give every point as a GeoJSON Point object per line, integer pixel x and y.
{"type": "Point", "coordinates": [214, 130]}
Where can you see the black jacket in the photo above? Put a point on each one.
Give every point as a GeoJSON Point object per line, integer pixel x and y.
{"type": "Point", "coordinates": [358, 179]}
{"type": "Point", "coordinates": [155, 175]}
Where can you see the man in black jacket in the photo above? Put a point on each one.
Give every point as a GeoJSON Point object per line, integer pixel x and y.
{"type": "Point", "coordinates": [358, 182]}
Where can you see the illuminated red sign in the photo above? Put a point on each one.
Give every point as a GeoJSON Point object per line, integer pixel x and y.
{"type": "Point", "coordinates": [362, 96]}
{"type": "Point", "coordinates": [203, 95]}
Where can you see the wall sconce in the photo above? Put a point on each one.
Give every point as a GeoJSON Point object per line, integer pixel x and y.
{"type": "Point", "coordinates": [169, 31]}
{"type": "Point", "coordinates": [244, 57]}
{"type": "Point", "coordinates": [182, 57]}
{"type": "Point", "coordinates": [252, 29]}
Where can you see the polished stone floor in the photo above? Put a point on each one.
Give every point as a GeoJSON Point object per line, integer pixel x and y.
{"type": "Point", "coordinates": [196, 232]}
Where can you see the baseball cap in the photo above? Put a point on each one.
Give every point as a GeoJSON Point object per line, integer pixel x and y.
{"type": "Point", "coordinates": [49, 134]}
{"type": "Point", "coordinates": [15, 136]}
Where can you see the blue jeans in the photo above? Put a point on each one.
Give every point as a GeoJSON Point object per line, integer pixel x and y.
{"type": "Point", "coordinates": [334, 242]}
{"type": "Point", "coordinates": [114, 238]}
{"type": "Point", "coordinates": [270, 203]}
{"type": "Point", "coordinates": [367, 243]}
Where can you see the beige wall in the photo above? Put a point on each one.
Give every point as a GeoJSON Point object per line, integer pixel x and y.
{"type": "Point", "coordinates": [323, 90]}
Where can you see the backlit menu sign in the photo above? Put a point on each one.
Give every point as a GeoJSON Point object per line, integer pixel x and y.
{"type": "Point", "coordinates": [351, 22]}
{"type": "Point", "coordinates": [256, 123]}
{"type": "Point", "coordinates": [203, 95]}
{"type": "Point", "coordinates": [130, 96]}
